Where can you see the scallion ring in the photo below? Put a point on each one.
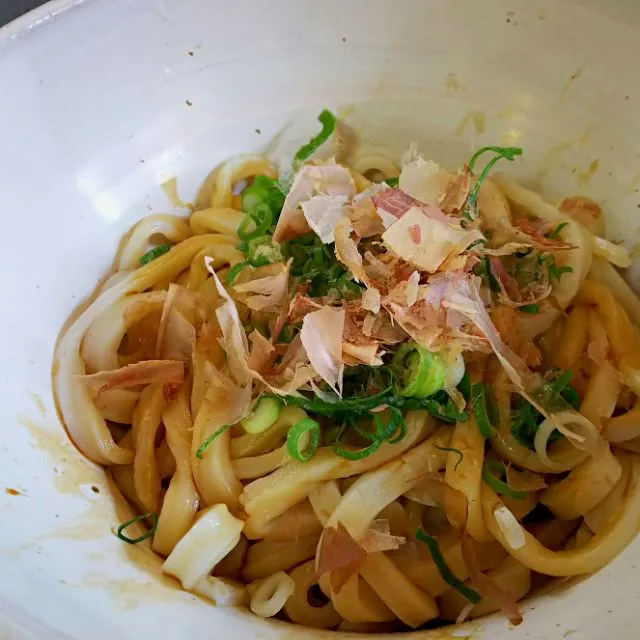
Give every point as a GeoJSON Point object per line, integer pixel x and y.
{"type": "Point", "coordinates": [234, 272]}
{"type": "Point", "coordinates": [509, 153]}
{"type": "Point", "coordinates": [447, 575]}
{"type": "Point", "coordinates": [329, 123]}
{"type": "Point", "coordinates": [260, 217]}
{"type": "Point", "coordinates": [395, 425]}
{"type": "Point", "coordinates": [252, 197]}
{"type": "Point", "coordinates": [558, 230]}
{"type": "Point", "coordinates": [154, 253]}
{"type": "Point", "coordinates": [363, 433]}
{"type": "Point", "coordinates": [306, 427]}
{"type": "Point", "coordinates": [264, 414]}
{"type": "Point", "coordinates": [358, 454]}
{"type": "Point", "coordinates": [529, 308]}
{"type": "Point", "coordinates": [492, 473]}
{"type": "Point", "coordinates": [203, 447]}
{"type": "Point", "coordinates": [422, 373]}
{"type": "Point", "coordinates": [144, 536]}
{"type": "Point", "coordinates": [479, 402]}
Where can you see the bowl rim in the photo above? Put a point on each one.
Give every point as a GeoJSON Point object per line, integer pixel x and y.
{"type": "Point", "coordinates": [36, 18]}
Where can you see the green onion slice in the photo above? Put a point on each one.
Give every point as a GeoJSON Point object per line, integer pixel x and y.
{"type": "Point", "coordinates": [260, 218]}
{"type": "Point", "coordinates": [480, 409]}
{"type": "Point", "coordinates": [357, 454]}
{"type": "Point", "coordinates": [494, 283]}
{"type": "Point", "coordinates": [156, 252]}
{"type": "Point", "coordinates": [421, 372]}
{"type": "Point", "coordinates": [287, 334]}
{"type": "Point", "coordinates": [144, 536]}
{"type": "Point", "coordinates": [297, 432]}
{"type": "Point", "coordinates": [555, 272]}
{"type": "Point", "coordinates": [492, 473]}
{"type": "Point", "coordinates": [401, 432]}
{"type": "Point", "coordinates": [203, 447]}
{"type": "Point", "coordinates": [329, 123]}
{"type": "Point", "coordinates": [558, 230]}
{"type": "Point", "coordinates": [396, 425]}
{"type": "Point", "coordinates": [465, 386]}
{"type": "Point", "coordinates": [529, 308]}
{"type": "Point", "coordinates": [264, 414]}
{"type": "Point", "coordinates": [562, 389]}
{"type": "Point", "coordinates": [363, 433]}
{"type": "Point", "coordinates": [447, 575]}
{"type": "Point", "coordinates": [316, 405]}
{"type": "Point", "coordinates": [509, 153]}
{"type": "Point", "coordinates": [263, 191]}
{"type": "Point", "coordinates": [234, 272]}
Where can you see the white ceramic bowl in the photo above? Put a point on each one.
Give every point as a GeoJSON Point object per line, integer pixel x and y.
{"type": "Point", "coordinates": [102, 100]}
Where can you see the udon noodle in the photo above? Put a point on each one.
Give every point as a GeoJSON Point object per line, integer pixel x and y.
{"type": "Point", "coordinates": [365, 396]}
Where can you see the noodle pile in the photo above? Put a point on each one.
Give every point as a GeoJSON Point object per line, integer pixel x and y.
{"type": "Point", "coordinates": [363, 397]}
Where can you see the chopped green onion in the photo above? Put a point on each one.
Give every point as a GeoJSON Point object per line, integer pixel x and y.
{"type": "Point", "coordinates": [264, 253]}
{"type": "Point", "coordinates": [480, 412]}
{"type": "Point", "coordinates": [453, 450]}
{"type": "Point", "coordinates": [529, 308]}
{"type": "Point", "coordinates": [447, 575]}
{"type": "Point", "coordinates": [509, 153]}
{"type": "Point", "coordinates": [263, 191]}
{"type": "Point", "coordinates": [556, 232]}
{"type": "Point", "coordinates": [566, 390]}
{"type": "Point", "coordinates": [572, 397]}
{"type": "Point", "coordinates": [156, 252]}
{"type": "Point", "coordinates": [385, 433]}
{"type": "Point", "coordinates": [260, 217]}
{"type": "Point", "coordinates": [330, 435]}
{"type": "Point", "coordinates": [144, 536]}
{"type": "Point", "coordinates": [440, 408]}
{"type": "Point", "coordinates": [439, 405]}
{"type": "Point", "coordinates": [297, 432]}
{"type": "Point", "coordinates": [492, 473]}
{"type": "Point", "coordinates": [482, 242]}
{"type": "Point", "coordinates": [494, 283]}
{"type": "Point", "coordinates": [203, 447]}
{"type": "Point", "coordinates": [524, 424]}
{"type": "Point", "coordinates": [421, 372]}
{"type": "Point", "coordinates": [401, 431]}
{"type": "Point", "coordinates": [316, 405]}
{"type": "Point", "coordinates": [316, 264]}
{"type": "Point", "coordinates": [329, 123]}
{"type": "Point", "coordinates": [392, 182]}
{"type": "Point", "coordinates": [465, 386]}
{"type": "Point", "coordinates": [525, 419]}
{"type": "Point", "coordinates": [562, 381]}
{"type": "Point", "coordinates": [264, 414]}
{"type": "Point", "coordinates": [358, 454]}
{"type": "Point", "coordinates": [555, 272]}
{"type": "Point", "coordinates": [287, 334]}
{"type": "Point", "coordinates": [483, 269]}
{"type": "Point", "coordinates": [363, 433]}
{"type": "Point", "coordinates": [252, 198]}
{"type": "Point", "coordinates": [234, 272]}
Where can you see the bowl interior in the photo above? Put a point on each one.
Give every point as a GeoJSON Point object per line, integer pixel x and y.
{"type": "Point", "coordinates": [104, 100]}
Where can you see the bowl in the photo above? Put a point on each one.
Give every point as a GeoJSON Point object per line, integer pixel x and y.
{"type": "Point", "coordinates": [104, 100]}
